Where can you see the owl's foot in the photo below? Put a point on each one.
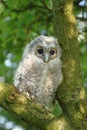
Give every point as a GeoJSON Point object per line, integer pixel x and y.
{"type": "Point", "coordinates": [28, 95]}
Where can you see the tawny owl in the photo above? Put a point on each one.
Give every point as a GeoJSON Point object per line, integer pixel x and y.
{"type": "Point", "coordinates": [40, 70]}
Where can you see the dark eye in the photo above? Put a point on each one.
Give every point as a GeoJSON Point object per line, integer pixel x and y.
{"type": "Point", "coordinates": [52, 52]}
{"type": "Point", "coordinates": [40, 51]}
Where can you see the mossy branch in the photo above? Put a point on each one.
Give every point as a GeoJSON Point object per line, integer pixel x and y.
{"type": "Point", "coordinates": [19, 104]}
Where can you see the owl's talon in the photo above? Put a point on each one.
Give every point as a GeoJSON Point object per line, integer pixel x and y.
{"type": "Point", "coordinates": [28, 95]}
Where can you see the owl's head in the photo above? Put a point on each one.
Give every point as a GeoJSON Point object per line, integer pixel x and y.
{"type": "Point", "coordinates": [45, 48]}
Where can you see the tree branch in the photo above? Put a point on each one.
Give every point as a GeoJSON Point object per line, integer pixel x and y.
{"type": "Point", "coordinates": [45, 5]}
{"type": "Point", "coordinates": [19, 104]}
{"type": "Point", "coordinates": [81, 18]}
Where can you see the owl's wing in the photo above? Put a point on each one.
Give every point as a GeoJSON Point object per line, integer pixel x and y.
{"type": "Point", "coordinates": [24, 70]}
{"type": "Point", "coordinates": [18, 75]}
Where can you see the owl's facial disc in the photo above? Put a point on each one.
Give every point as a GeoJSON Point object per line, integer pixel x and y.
{"type": "Point", "coordinates": [46, 54]}
{"type": "Point", "coordinates": [42, 53]}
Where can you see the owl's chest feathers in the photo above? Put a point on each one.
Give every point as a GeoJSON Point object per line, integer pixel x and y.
{"type": "Point", "coordinates": [42, 77]}
{"type": "Point", "coordinates": [38, 72]}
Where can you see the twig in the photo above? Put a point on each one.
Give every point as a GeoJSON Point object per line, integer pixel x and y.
{"type": "Point", "coordinates": [45, 5]}
{"type": "Point", "coordinates": [81, 18]}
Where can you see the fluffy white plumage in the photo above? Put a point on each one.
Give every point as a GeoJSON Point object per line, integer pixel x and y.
{"type": "Point", "coordinates": [40, 71]}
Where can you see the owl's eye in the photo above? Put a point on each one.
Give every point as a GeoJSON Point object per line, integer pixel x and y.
{"type": "Point", "coordinates": [52, 52]}
{"type": "Point", "coordinates": [40, 51]}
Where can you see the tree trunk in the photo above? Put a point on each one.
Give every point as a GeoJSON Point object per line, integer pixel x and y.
{"type": "Point", "coordinates": [71, 94]}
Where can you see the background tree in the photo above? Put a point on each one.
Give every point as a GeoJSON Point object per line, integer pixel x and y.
{"type": "Point", "coordinates": [18, 24]}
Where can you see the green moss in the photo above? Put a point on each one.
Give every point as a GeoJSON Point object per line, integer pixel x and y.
{"type": "Point", "coordinates": [71, 91]}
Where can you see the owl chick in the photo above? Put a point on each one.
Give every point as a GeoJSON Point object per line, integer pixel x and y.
{"type": "Point", "coordinates": [40, 71]}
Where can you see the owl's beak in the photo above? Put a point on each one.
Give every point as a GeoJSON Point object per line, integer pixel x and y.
{"type": "Point", "coordinates": [46, 58]}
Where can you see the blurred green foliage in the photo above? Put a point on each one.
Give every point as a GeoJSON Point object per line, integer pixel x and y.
{"type": "Point", "coordinates": [20, 22]}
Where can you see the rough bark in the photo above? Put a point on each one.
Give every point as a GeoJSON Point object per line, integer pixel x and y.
{"type": "Point", "coordinates": [71, 94]}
